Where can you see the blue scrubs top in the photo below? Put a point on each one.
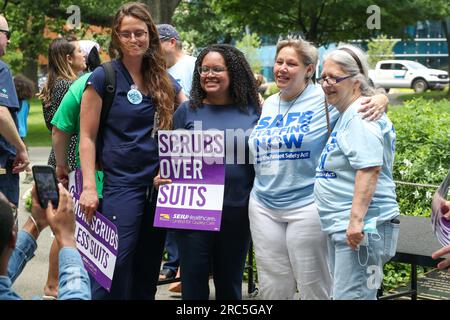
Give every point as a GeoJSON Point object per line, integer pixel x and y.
{"type": "Point", "coordinates": [234, 122]}
{"type": "Point", "coordinates": [8, 99]}
{"type": "Point", "coordinates": [129, 154]}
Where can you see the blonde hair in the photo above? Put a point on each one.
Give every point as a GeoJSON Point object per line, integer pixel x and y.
{"type": "Point", "coordinates": [156, 78]}
{"type": "Point", "coordinates": [306, 52]}
{"type": "Point", "coordinates": [58, 67]}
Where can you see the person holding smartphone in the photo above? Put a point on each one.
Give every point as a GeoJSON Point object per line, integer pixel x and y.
{"type": "Point", "coordinates": [18, 247]}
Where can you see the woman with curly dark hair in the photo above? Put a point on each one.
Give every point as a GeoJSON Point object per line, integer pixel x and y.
{"type": "Point", "coordinates": [144, 93]}
{"type": "Point", "coordinates": [224, 96]}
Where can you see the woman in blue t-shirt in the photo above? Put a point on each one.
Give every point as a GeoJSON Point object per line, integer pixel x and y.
{"type": "Point", "coordinates": [224, 96]}
{"type": "Point", "coordinates": [128, 150]}
{"type": "Point", "coordinates": [354, 189]}
{"type": "Point", "coordinates": [290, 247]}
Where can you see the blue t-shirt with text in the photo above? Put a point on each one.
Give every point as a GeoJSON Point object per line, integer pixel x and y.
{"type": "Point", "coordinates": [355, 144]}
{"type": "Point", "coordinates": [286, 145]}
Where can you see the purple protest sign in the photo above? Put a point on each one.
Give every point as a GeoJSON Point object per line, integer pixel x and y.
{"type": "Point", "coordinates": [440, 224]}
{"type": "Point", "coordinates": [98, 241]}
{"type": "Point", "coordinates": [194, 161]}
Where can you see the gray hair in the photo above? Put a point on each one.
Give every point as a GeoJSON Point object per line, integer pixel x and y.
{"type": "Point", "coordinates": [349, 65]}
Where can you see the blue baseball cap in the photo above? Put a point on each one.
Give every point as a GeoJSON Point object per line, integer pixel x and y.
{"type": "Point", "coordinates": [167, 31]}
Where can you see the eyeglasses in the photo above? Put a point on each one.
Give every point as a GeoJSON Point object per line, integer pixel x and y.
{"type": "Point", "coordinates": [7, 33]}
{"type": "Point", "coordinates": [205, 70]}
{"type": "Point", "coordinates": [138, 35]}
{"type": "Point", "coordinates": [332, 81]}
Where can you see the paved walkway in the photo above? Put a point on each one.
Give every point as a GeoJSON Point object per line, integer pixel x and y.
{"type": "Point", "coordinates": [31, 282]}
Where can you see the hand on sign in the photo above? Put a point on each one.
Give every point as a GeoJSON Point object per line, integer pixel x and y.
{"type": "Point", "coordinates": [158, 181]}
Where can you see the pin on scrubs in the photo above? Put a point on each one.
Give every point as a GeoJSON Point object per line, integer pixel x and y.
{"type": "Point", "coordinates": [134, 96]}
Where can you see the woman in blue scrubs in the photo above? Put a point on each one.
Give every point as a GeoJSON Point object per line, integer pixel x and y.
{"type": "Point", "coordinates": [128, 150]}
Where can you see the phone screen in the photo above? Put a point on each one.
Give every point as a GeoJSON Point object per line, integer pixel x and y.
{"type": "Point", "coordinates": [46, 186]}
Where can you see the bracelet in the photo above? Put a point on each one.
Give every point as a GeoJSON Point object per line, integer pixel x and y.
{"type": "Point", "coordinates": [36, 225]}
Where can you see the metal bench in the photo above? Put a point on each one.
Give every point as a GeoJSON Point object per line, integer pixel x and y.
{"type": "Point", "coordinates": [415, 245]}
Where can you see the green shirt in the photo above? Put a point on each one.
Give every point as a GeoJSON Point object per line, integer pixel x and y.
{"type": "Point", "coordinates": [67, 119]}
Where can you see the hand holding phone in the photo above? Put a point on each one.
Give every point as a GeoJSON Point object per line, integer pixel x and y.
{"type": "Point", "coordinates": [46, 185]}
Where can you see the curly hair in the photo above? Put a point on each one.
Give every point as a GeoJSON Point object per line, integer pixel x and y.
{"type": "Point", "coordinates": [243, 90]}
{"type": "Point", "coordinates": [24, 87]}
{"type": "Point", "coordinates": [156, 78]}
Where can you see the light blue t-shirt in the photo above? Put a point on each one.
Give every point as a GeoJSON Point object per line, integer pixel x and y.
{"type": "Point", "coordinates": [286, 155]}
{"type": "Point", "coordinates": [355, 144]}
{"type": "Point", "coordinates": [183, 71]}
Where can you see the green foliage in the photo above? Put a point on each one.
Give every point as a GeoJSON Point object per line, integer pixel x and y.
{"type": "Point", "coordinates": [271, 89]}
{"type": "Point", "coordinates": [38, 135]}
{"type": "Point", "coordinates": [427, 95]}
{"type": "Point", "coordinates": [249, 45]}
{"type": "Point", "coordinates": [380, 48]}
{"type": "Point", "coordinates": [422, 156]}
{"type": "Point", "coordinates": [317, 21]}
{"type": "Point", "coordinates": [200, 24]}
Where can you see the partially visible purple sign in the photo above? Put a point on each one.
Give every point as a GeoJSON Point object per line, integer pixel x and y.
{"type": "Point", "coordinates": [440, 224]}
{"type": "Point", "coordinates": [194, 161]}
{"type": "Point", "coordinates": [97, 242]}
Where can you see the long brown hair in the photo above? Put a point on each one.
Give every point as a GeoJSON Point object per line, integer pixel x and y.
{"type": "Point", "coordinates": [58, 67]}
{"type": "Point", "coordinates": [153, 69]}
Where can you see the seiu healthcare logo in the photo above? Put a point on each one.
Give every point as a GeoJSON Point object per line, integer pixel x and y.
{"type": "Point", "coordinates": [4, 94]}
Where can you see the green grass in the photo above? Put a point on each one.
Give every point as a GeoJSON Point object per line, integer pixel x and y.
{"type": "Point", "coordinates": [428, 95]}
{"type": "Point", "coordinates": [38, 135]}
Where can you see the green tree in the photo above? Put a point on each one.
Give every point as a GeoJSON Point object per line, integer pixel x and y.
{"type": "Point", "coordinates": [29, 18]}
{"type": "Point", "coordinates": [199, 24]}
{"type": "Point", "coordinates": [380, 48]}
{"type": "Point", "coordinates": [249, 45]}
{"type": "Point", "coordinates": [320, 21]}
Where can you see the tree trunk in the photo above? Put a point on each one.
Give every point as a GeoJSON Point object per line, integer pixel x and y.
{"type": "Point", "coordinates": [30, 70]}
{"type": "Point", "coordinates": [162, 10]}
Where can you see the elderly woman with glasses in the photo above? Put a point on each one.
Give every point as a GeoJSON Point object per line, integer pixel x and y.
{"type": "Point", "coordinates": [354, 189]}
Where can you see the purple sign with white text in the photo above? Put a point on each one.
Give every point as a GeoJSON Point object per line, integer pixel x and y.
{"type": "Point", "coordinates": [98, 241]}
{"type": "Point", "coordinates": [194, 161]}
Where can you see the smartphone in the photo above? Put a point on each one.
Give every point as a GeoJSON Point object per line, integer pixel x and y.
{"type": "Point", "coordinates": [46, 185]}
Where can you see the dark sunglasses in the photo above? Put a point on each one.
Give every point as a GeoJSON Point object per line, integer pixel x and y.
{"type": "Point", "coordinates": [7, 33]}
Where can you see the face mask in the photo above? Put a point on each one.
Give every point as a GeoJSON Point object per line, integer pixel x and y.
{"type": "Point", "coordinates": [370, 225]}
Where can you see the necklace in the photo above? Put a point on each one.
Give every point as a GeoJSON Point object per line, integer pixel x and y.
{"type": "Point", "coordinates": [279, 121]}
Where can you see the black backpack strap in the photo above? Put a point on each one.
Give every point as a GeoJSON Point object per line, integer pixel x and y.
{"type": "Point", "coordinates": [109, 91]}
{"type": "Point", "coordinates": [108, 97]}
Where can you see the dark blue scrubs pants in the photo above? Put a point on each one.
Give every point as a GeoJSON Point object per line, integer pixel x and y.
{"type": "Point", "coordinates": [222, 252]}
{"type": "Point", "coordinates": [173, 260]}
{"type": "Point", "coordinates": [140, 244]}
{"type": "Point", "coordinates": [9, 182]}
